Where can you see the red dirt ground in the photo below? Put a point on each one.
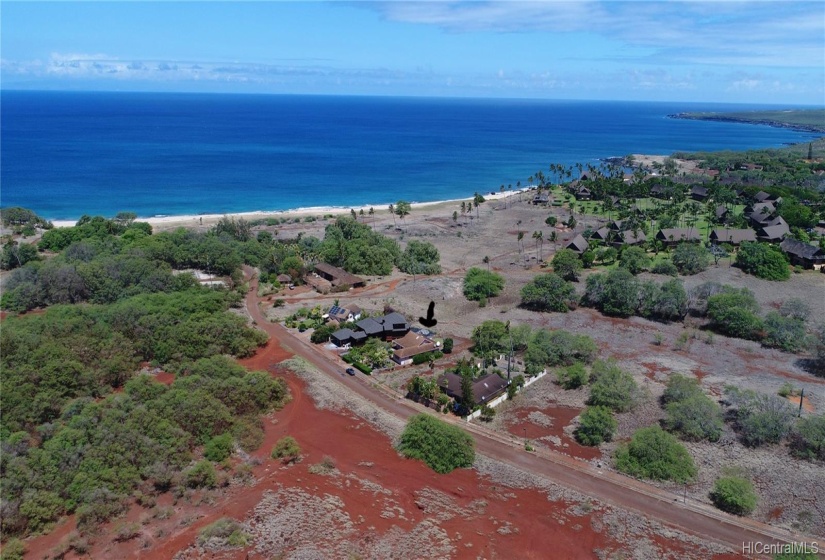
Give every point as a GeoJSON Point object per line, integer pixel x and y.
{"type": "Point", "coordinates": [544, 528]}
{"type": "Point", "coordinates": [562, 416]}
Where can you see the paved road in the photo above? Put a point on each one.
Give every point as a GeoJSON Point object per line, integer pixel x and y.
{"type": "Point", "coordinates": [610, 487]}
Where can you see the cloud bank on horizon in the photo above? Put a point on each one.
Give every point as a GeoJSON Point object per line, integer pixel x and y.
{"type": "Point", "coordinates": [749, 52]}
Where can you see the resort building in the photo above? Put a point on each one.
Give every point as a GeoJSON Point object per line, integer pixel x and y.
{"type": "Point", "coordinates": [733, 236]}
{"type": "Point", "coordinates": [803, 254]}
{"type": "Point", "coordinates": [578, 245]}
{"type": "Point", "coordinates": [672, 236]}
{"type": "Point", "coordinates": [338, 277]}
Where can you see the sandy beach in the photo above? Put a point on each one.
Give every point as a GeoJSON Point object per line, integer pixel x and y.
{"type": "Point", "coordinates": [160, 223]}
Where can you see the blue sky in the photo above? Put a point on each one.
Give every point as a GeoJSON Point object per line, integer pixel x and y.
{"type": "Point", "coordinates": [749, 52]}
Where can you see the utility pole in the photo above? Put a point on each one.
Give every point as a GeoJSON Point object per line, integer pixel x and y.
{"type": "Point", "coordinates": [801, 396]}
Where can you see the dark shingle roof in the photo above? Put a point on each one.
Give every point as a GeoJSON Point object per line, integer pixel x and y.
{"type": "Point", "coordinates": [734, 236]}
{"type": "Point", "coordinates": [802, 249]}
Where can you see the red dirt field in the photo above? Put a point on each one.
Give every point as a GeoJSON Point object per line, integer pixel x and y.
{"type": "Point", "coordinates": [387, 499]}
{"type": "Point", "coordinates": [562, 416]}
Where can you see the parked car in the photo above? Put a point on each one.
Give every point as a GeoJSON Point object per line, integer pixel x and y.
{"type": "Point", "coordinates": [350, 371]}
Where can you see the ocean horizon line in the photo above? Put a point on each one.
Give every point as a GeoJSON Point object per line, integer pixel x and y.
{"type": "Point", "coordinates": [412, 97]}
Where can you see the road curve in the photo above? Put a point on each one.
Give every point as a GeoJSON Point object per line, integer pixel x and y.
{"type": "Point", "coordinates": [610, 487]}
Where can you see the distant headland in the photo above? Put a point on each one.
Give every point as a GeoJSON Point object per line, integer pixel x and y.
{"type": "Point", "coordinates": [804, 120]}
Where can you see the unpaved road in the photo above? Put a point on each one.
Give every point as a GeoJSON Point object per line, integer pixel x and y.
{"type": "Point", "coordinates": [610, 487]}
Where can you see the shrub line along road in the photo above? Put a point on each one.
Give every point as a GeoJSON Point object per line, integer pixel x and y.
{"type": "Point", "coordinates": [623, 492]}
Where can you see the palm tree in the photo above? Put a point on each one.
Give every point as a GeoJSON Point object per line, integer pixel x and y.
{"type": "Point", "coordinates": [402, 208]}
{"type": "Point", "coordinates": [536, 238]}
{"type": "Point", "coordinates": [392, 211]}
{"type": "Point", "coordinates": [354, 215]}
{"type": "Point", "coordinates": [486, 260]}
{"type": "Point", "coordinates": [361, 213]}
{"type": "Point", "coordinates": [518, 240]}
{"type": "Point", "coordinates": [541, 243]}
{"type": "Point", "coordinates": [455, 216]}
{"type": "Point", "coordinates": [372, 213]}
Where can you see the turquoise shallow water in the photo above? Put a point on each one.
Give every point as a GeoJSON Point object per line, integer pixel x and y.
{"type": "Point", "coordinates": [67, 154]}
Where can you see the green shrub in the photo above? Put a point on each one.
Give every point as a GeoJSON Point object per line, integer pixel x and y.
{"type": "Point", "coordinates": [596, 425]}
{"type": "Point", "coordinates": [634, 260]}
{"type": "Point", "coordinates": [487, 413]}
{"type": "Point", "coordinates": [249, 433]}
{"type": "Point", "coordinates": [219, 448]}
{"type": "Point", "coordinates": [785, 333]}
{"type": "Point", "coordinates": [763, 261]}
{"type": "Point", "coordinates": [225, 531]}
{"type": "Point", "coordinates": [480, 284]}
{"type": "Point", "coordinates": [287, 450]}
{"type": "Point", "coordinates": [442, 446]}
{"type": "Point", "coordinates": [612, 387]}
{"type": "Point", "coordinates": [734, 494]}
{"type": "Point", "coordinates": [548, 292]}
{"type": "Point", "coordinates": [695, 418]}
{"type": "Point", "coordinates": [808, 438]}
{"type": "Point", "coordinates": [665, 267]}
{"type": "Point", "coordinates": [127, 531]}
{"type": "Point", "coordinates": [202, 475]}
{"type": "Point", "coordinates": [567, 264]}
{"type": "Point", "coordinates": [690, 258]}
{"type": "Point", "coordinates": [655, 454]}
{"type": "Point", "coordinates": [573, 377]}
{"type": "Point", "coordinates": [14, 549]}
{"type": "Point", "coordinates": [679, 388]}
{"type": "Point", "coordinates": [761, 418]}
{"type": "Point", "coordinates": [733, 312]}
{"type": "Point", "coordinates": [448, 345]}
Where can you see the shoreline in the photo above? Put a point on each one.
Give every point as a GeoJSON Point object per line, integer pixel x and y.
{"type": "Point", "coordinates": [195, 219]}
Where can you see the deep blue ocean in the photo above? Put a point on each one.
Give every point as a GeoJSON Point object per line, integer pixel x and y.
{"type": "Point", "coordinates": [68, 154]}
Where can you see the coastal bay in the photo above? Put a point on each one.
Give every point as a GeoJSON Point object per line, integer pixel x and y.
{"type": "Point", "coordinates": [171, 155]}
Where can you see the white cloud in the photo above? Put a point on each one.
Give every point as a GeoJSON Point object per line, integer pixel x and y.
{"type": "Point", "coordinates": [775, 33]}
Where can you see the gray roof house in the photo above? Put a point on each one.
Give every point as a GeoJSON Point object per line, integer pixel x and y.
{"type": "Point", "coordinates": [803, 254]}
{"type": "Point", "coordinates": [578, 245]}
{"type": "Point", "coordinates": [732, 236]}
{"type": "Point", "coordinates": [672, 236]}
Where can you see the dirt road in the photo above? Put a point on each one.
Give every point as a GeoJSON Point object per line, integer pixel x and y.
{"type": "Point", "coordinates": [617, 490]}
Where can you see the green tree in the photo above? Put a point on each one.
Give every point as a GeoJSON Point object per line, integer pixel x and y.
{"type": "Point", "coordinates": [655, 454]}
{"type": "Point", "coordinates": [403, 209]}
{"type": "Point", "coordinates": [634, 260]}
{"type": "Point", "coordinates": [690, 258]}
{"type": "Point", "coordinates": [763, 261]}
{"type": "Point", "coordinates": [612, 387]}
{"type": "Point", "coordinates": [448, 345]}
{"type": "Point", "coordinates": [548, 292]}
{"type": "Point", "coordinates": [480, 284]}
{"type": "Point", "coordinates": [420, 257]}
{"type": "Point", "coordinates": [734, 494]}
{"type": "Point", "coordinates": [596, 424]}
{"type": "Point", "coordinates": [490, 339]}
{"type": "Point", "coordinates": [567, 264]}
{"type": "Point", "coordinates": [615, 293]}
{"type": "Point", "coordinates": [442, 446]}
